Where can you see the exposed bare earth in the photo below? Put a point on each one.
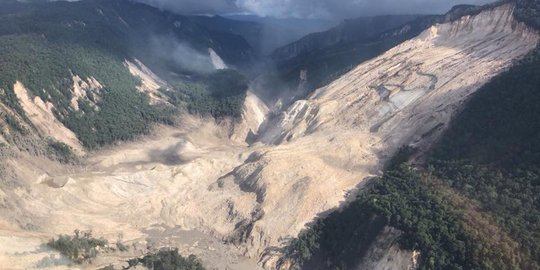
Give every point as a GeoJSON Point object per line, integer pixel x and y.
{"type": "Point", "coordinates": [150, 82]}
{"type": "Point", "coordinates": [42, 117]}
{"type": "Point", "coordinates": [196, 188]}
{"type": "Point", "coordinates": [385, 254]}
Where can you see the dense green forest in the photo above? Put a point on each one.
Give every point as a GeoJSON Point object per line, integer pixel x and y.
{"type": "Point", "coordinates": [43, 45]}
{"type": "Point", "coordinates": [492, 152]}
{"type": "Point", "coordinates": [124, 112]}
{"type": "Point", "coordinates": [444, 226]}
{"type": "Point", "coordinates": [222, 93]}
{"type": "Point", "coordinates": [475, 202]}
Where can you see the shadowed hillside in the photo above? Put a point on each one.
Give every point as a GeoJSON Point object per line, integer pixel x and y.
{"type": "Point", "coordinates": [55, 48]}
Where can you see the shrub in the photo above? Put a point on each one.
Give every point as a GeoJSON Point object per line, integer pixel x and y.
{"type": "Point", "coordinates": [81, 247]}
{"type": "Point", "coordinates": [63, 152]}
{"type": "Point", "coordinates": [167, 259]}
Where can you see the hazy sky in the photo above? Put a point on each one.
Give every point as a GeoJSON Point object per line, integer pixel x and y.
{"type": "Point", "coordinates": [330, 9]}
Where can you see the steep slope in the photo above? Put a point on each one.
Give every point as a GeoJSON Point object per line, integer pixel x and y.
{"type": "Point", "coordinates": [272, 33]}
{"type": "Point", "coordinates": [303, 163]}
{"type": "Point", "coordinates": [425, 70]}
{"type": "Point", "coordinates": [406, 96]}
{"type": "Point", "coordinates": [349, 31]}
{"type": "Point", "coordinates": [319, 58]}
{"type": "Point", "coordinates": [324, 57]}
{"type": "Point", "coordinates": [106, 70]}
{"type": "Point", "coordinates": [469, 203]}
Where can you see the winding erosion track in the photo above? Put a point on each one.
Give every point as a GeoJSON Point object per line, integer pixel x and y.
{"type": "Point", "coordinates": [235, 204]}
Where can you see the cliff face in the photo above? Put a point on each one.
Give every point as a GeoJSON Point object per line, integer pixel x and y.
{"type": "Point", "coordinates": [304, 163]}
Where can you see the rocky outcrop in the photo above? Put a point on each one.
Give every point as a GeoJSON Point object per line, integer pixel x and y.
{"type": "Point", "coordinates": [150, 82]}
{"type": "Point", "coordinates": [85, 91]}
{"type": "Point", "coordinates": [254, 116]}
{"type": "Point", "coordinates": [385, 254]}
{"type": "Point", "coordinates": [217, 62]}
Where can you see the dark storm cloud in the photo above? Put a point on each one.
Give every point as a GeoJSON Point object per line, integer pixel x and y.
{"type": "Point", "coordinates": [334, 9]}
{"type": "Point", "coordinates": [195, 6]}
{"type": "Point", "coordinates": [349, 8]}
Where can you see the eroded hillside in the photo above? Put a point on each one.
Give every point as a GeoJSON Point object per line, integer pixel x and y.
{"type": "Point", "coordinates": [201, 184]}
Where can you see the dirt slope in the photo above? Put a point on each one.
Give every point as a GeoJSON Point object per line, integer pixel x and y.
{"type": "Point", "coordinates": [188, 185]}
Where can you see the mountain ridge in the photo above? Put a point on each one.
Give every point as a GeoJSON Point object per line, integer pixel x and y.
{"type": "Point", "coordinates": [237, 193]}
{"type": "Point", "coordinates": [326, 63]}
{"type": "Point", "coordinates": [94, 41]}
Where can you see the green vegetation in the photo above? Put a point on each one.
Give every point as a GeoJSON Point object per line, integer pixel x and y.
{"type": "Point", "coordinates": [167, 259]}
{"type": "Point", "coordinates": [80, 248]}
{"type": "Point", "coordinates": [14, 123]}
{"type": "Point", "coordinates": [43, 45]}
{"type": "Point", "coordinates": [528, 11]}
{"type": "Point", "coordinates": [124, 112]}
{"type": "Point", "coordinates": [492, 153]}
{"type": "Point", "coordinates": [219, 94]}
{"type": "Point", "coordinates": [122, 116]}
{"type": "Point", "coordinates": [324, 66]}
{"type": "Point", "coordinates": [474, 204]}
{"type": "Point", "coordinates": [224, 95]}
{"type": "Point", "coordinates": [434, 220]}
{"type": "Point", "coordinates": [62, 152]}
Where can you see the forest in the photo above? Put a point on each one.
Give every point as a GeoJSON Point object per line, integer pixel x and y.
{"type": "Point", "coordinates": [44, 51]}
{"type": "Point", "coordinates": [473, 204]}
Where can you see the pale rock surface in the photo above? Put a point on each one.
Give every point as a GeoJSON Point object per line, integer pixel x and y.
{"type": "Point", "coordinates": [385, 254]}
{"type": "Point", "coordinates": [256, 197]}
{"type": "Point", "coordinates": [348, 129]}
{"type": "Point", "coordinates": [254, 116]}
{"type": "Point", "coordinates": [150, 82]}
{"type": "Point", "coordinates": [81, 89]}
{"type": "Point", "coordinates": [43, 119]}
{"type": "Point", "coordinates": [217, 62]}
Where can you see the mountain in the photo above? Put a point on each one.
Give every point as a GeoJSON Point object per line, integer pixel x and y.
{"type": "Point", "coordinates": [263, 34]}
{"type": "Point", "coordinates": [323, 57]}
{"type": "Point", "coordinates": [338, 50]}
{"type": "Point", "coordinates": [277, 32]}
{"type": "Point", "coordinates": [424, 156]}
{"type": "Point", "coordinates": [87, 69]}
{"type": "Point", "coordinates": [349, 31]}
{"type": "Point", "coordinates": [468, 201]}
{"type": "Point", "coordinates": [252, 32]}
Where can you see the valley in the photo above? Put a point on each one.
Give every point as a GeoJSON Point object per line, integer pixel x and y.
{"type": "Point", "coordinates": [235, 193]}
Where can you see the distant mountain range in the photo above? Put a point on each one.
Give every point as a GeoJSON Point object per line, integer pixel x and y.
{"type": "Point", "coordinates": [265, 34]}
{"type": "Point", "coordinates": [323, 57]}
